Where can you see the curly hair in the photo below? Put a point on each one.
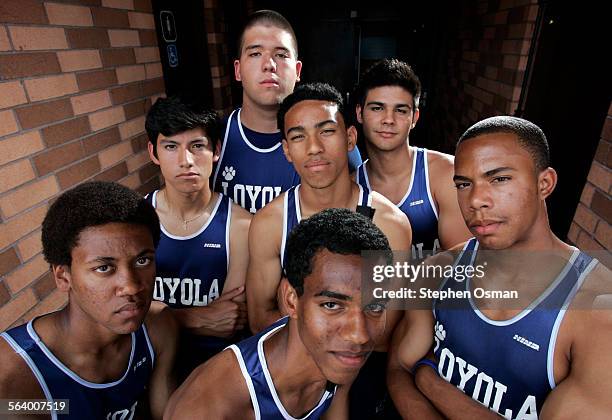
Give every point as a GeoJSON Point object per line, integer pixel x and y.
{"type": "Point", "coordinates": [340, 231]}
{"type": "Point", "coordinates": [309, 92]}
{"type": "Point", "coordinates": [92, 204]}
{"type": "Point", "coordinates": [175, 114]}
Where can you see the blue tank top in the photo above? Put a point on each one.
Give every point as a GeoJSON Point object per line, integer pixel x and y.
{"type": "Point", "coordinates": [250, 175]}
{"type": "Point", "coordinates": [417, 204]}
{"type": "Point", "coordinates": [88, 400]}
{"type": "Point", "coordinates": [292, 214]}
{"type": "Point", "coordinates": [505, 365]}
{"type": "Point", "coordinates": [191, 270]}
{"type": "Point", "coordinates": [254, 367]}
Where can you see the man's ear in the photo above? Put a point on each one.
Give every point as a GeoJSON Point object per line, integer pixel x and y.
{"type": "Point", "coordinates": [351, 134]}
{"type": "Point", "coordinates": [288, 297]}
{"type": "Point", "coordinates": [415, 117]}
{"type": "Point", "coordinates": [217, 151]}
{"type": "Point", "coordinates": [286, 150]}
{"type": "Point", "coordinates": [62, 276]}
{"type": "Point", "coordinates": [298, 70]}
{"type": "Point", "coordinates": [359, 113]}
{"type": "Point", "coordinates": [152, 154]}
{"type": "Point", "coordinates": [547, 181]}
{"type": "Point", "coordinates": [237, 70]}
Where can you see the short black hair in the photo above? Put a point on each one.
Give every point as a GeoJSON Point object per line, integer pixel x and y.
{"type": "Point", "coordinates": [175, 114]}
{"type": "Point", "coordinates": [340, 231]}
{"type": "Point", "coordinates": [309, 92]}
{"type": "Point", "coordinates": [267, 18]}
{"type": "Point", "coordinates": [389, 72]}
{"type": "Point", "coordinates": [529, 135]}
{"type": "Point", "coordinates": [92, 204]}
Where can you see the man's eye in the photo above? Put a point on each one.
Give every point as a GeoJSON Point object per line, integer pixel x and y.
{"type": "Point", "coordinates": [282, 55]}
{"type": "Point", "coordinates": [376, 308]}
{"type": "Point", "coordinates": [462, 185]}
{"type": "Point", "coordinates": [144, 261]}
{"type": "Point", "coordinates": [254, 54]}
{"type": "Point", "coordinates": [198, 146]}
{"type": "Point", "coordinates": [103, 268]}
{"type": "Point", "coordinates": [376, 108]}
{"type": "Point", "coordinates": [297, 138]}
{"type": "Point", "coordinates": [330, 305]}
{"type": "Point", "coordinates": [501, 179]}
{"type": "Point", "coordinates": [328, 131]}
{"type": "Point", "coordinates": [402, 111]}
{"type": "Point", "coordinates": [170, 146]}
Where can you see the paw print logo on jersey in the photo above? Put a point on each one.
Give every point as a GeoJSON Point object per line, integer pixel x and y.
{"type": "Point", "coordinates": [228, 173]}
{"type": "Point", "coordinates": [439, 335]}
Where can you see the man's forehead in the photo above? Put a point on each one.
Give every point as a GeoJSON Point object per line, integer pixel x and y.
{"type": "Point", "coordinates": [261, 34]}
{"type": "Point", "coordinates": [315, 107]}
{"type": "Point", "coordinates": [490, 151]}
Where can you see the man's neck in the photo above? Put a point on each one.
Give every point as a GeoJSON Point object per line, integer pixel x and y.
{"type": "Point", "coordinates": [258, 118]}
{"type": "Point", "coordinates": [390, 165]}
{"type": "Point", "coordinates": [186, 205]}
{"type": "Point", "coordinates": [341, 194]}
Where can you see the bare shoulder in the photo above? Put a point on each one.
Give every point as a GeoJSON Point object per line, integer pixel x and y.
{"type": "Point", "coordinates": [16, 378]}
{"type": "Point", "coordinates": [596, 291]}
{"type": "Point", "coordinates": [241, 219]}
{"type": "Point", "coordinates": [215, 389]}
{"type": "Point", "coordinates": [162, 327]}
{"type": "Point", "coordinates": [386, 210]}
{"type": "Point", "coordinates": [271, 212]}
{"type": "Point", "coordinates": [441, 167]}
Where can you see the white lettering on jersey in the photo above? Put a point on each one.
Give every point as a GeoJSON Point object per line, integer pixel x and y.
{"type": "Point", "coordinates": [417, 250]}
{"type": "Point", "coordinates": [253, 193]}
{"type": "Point", "coordinates": [124, 414]}
{"type": "Point", "coordinates": [190, 294]}
{"type": "Point", "coordinates": [485, 387]}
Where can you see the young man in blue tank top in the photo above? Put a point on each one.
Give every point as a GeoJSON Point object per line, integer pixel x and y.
{"type": "Point", "coordinates": [419, 181]}
{"type": "Point", "coordinates": [547, 356]}
{"type": "Point", "coordinates": [252, 169]}
{"type": "Point", "coordinates": [102, 351]}
{"type": "Point", "coordinates": [302, 365]}
{"type": "Point", "coordinates": [202, 255]}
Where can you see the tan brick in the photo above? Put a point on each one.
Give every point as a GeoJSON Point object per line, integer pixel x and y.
{"type": "Point", "coordinates": [19, 146]}
{"type": "Point", "coordinates": [78, 172]}
{"type": "Point", "coordinates": [22, 11]}
{"type": "Point", "coordinates": [37, 38]}
{"type": "Point", "coordinates": [130, 74]}
{"type": "Point", "coordinates": [51, 87]}
{"type": "Point", "coordinates": [131, 181]}
{"type": "Point", "coordinates": [141, 20]}
{"type": "Point", "coordinates": [8, 261]}
{"type": "Point", "coordinates": [153, 87]}
{"type": "Point", "coordinates": [5, 43]}
{"type": "Point", "coordinates": [26, 274]}
{"type": "Point", "coordinates": [139, 143]}
{"type": "Point", "coordinates": [113, 174]}
{"type": "Point", "coordinates": [127, 93]}
{"type": "Point", "coordinates": [98, 79]}
{"type": "Point", "coordinates": [54, 301]}
{"type": "Point", "coordinates": [114, 154]}
{"type": "Point", "coordinates": [101, 140]}
{"type": "Point", "coordinates": [28, 195]}
{"type": "Point", "coordinates": [63, 132]}
{"type": "Point", "coordinates": [146, 54]}
{"type": "Point", "coordinates": [87, 38]}
{"type": "Point", "coordinates": [123, 38]}
{"type": "Point", "coordinates": [110, 18]}
{"type": "Point", "coordinates": [5, 296]}
{"type": "Point", "coordinates": [587, 194]}
{"type": "Point", "coordinates": [13, 310]}
{"type": "Point", "coordinates": [13, 66]}
{"type": "Point", "coordinates": [15, 174]}
{"type": "Point", "coordinates": [106, 118]}
{"type": "Point", "coordinates": [90, 102]}
{"type": "Point", "coordinates": [51, 160]}
{"type": "Point", "coordinates": [119, 4]}
{"type": "Point", "coordinates": [153, 70]}
{"type": "Point", "coordinates": [16, 228]}
{"type": "Point", "coordinates": [30, 245]}
{"type": "Point", "coordinates": [600, 176]}
{"type": "Point", "coordinates": [44, 285]}
{"type": "Point", "coordinates": [118, 57]}
{"type": "Point", "coordinates": [573, 233]}
{"type": "Point", "coordinates": [135, 109]}
{"type": "Point", "coordinates": [132, 128]}
{"type": "Point", "coordinates": [44, 113]}
{"type": "Point", "coordinates": [148, 38]}
{"type": "Point", "coordinates": [587, 243]}
{"type": "Point", "coordinates": [137, 161]}
{"type": "Point", "coordinates": [143, 5]}
{"type": "Point", "coordinates": [603, 234]}
{"type": "Point", "coordinates": [79, 60]}
{"type": "Point", "coordinates": [8, 125]}
{"type": "Point", "coordinates": [585, 218]}
{"type": "Point", "coordinates": [11, 94]}
{"type": "Point", "coordinates": [69, 15]}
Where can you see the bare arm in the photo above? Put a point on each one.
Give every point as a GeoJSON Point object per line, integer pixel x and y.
{"type": "Point", "coordinates": [452, 229]}
{"type": "Point", "coordinates": [163, 332]}
{"type": "Point", "coordinates": [264, 272]}
{"type": "Point", "coordinates": [339, 408]}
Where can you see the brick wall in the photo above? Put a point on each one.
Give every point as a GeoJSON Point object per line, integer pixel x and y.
{"type": "Point", "coordinates": [590, 229]}
{"type": "Point", "coordinates": [221, 68]}
{"type": "Point", "coordinates": [482, 73]}
{"type": "Point", "coordinates": [76, 78]}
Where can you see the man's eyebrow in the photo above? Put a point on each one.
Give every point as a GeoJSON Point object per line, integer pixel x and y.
{"type": "Point", "coordinates": [398, 105]}
{"type": "Point", "coordinates": [334, 295]}
{"type": "Point", "coordinates": [498, 170]}
{"type": "Point", "coordinates": [296, 128]}
{"type": "Point", "coordinates": [252, 47]}
{"type": "Point", "coordinates": [322, 123]}
{"type": "Point", "coordinates": [460, 178]}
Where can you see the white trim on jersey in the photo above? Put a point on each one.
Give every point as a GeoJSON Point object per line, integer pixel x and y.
{"type": "Point", "coordinates": [298, 208]}
{"type": "Point", "coordinates": [550, 365]}
{"type": "Point", "coordinates": [219, 162]}
{"type": "Point", "coordinates": [412, 174]}
{"type": "Point", "coordinates": [228, 224]}
{"type": "Point", "coordinates": [193, 235]}
{"type": "Point", "coordinates": [39, 377]}
{"type": "Point", "coordinates": [248, 143]}
{"type": "Point", "coordinates": [426, 168]}
{"type": "Point", "coordinates": [533, 304]}
{"type": "Point", "coordinates": [149, 345]}
{"type": "Point", "coordinates": [247, 379]}
{"type": "Point", "coordinates": [70, 373]}
{"type": "Point", "coordinates": [272, 388]}
{"type": "Point", "coordinates": [284, 235]}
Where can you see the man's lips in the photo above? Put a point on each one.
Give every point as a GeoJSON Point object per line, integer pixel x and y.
{"type": "Point", "coordinates": [269, 83]}
{"type": "Point", "coordinates": [316, 165]}
{"type": "Point", "coordinates": [351, 359]}
{"type": "Point", "coordinates": [131, 309]}
{"type": "Point", "coordinates": [188, 175]}
{"type": "Point", "coordinates": [485, 227]}
{"type": "Point", "coordinates": [386, 134]}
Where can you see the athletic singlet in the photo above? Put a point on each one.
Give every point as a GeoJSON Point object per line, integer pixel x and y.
{"type": "Point", "coordinates": [88, 400]}
{"type": "Point", "coordinates": [292, 214]}
{"type": "Point", "coordinates": [505, 365]}
{"type": "Point", "coordinates": [254, 367]}
{"type": "Point", "coordinates": [250, 175]}
{"type": "Point", "coordinates": [417, 204]}
{"type": "Point", "coordinates": [191, 270]}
